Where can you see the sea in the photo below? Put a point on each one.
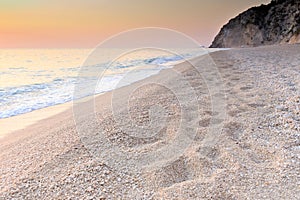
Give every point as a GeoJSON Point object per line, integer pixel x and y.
{"type": "Point", "coordinates": [32, 79]}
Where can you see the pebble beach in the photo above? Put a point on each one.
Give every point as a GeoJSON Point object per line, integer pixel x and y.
{"type": "Point", "coordinates": [243, 146]}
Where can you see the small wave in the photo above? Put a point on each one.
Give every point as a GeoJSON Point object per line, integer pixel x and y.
{"type": "Point", "coordinates": [58, 80]}
{"type": "Point", "coordinates": [27, 98]}
{"type": "Point", "coordinates": [16, 68]}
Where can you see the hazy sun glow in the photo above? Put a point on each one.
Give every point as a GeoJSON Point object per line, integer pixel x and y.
{"type": "Point", "coordinates": [85, 23]}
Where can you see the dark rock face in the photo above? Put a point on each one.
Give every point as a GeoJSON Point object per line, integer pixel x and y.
{"type": "Point", "coordinates": [275, 23]}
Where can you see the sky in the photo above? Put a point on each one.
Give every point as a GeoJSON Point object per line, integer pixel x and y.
{"type": "Point", "coordinates": [86, 23]}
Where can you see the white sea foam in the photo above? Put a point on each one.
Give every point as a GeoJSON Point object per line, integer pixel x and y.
{"type": "Point", "coordinates": [33, 86]}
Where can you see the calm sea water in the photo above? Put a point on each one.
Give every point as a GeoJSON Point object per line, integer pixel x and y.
{"type": "Point", "coordinates": [32, 79]}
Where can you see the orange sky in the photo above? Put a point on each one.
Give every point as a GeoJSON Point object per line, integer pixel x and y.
{"type": "Point", "coordinates": [85, 23]}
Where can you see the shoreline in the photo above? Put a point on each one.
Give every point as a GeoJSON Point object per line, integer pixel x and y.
{"type": "Point", "coordinates": [20, 122]}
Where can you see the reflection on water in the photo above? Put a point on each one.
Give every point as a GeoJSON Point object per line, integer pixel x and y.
{"type": "Point", "coordinates": [32, 79]}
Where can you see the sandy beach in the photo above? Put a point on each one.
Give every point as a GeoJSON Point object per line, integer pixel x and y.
{"type": "Point", "coordinates": [240, 124]}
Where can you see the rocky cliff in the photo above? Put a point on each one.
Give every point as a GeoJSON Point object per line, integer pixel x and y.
{"type": "Point", "coordinates": [275, 23]}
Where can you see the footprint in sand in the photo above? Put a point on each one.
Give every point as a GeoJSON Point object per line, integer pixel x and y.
{"type": "Point", "coordinates": [233, 130]}
{"type": "Point", "coordinates": [172, 173]}
{"type": "Point", "coordinates": [246, 88]}
{"type": "Point", "coordinates": [210, 152]}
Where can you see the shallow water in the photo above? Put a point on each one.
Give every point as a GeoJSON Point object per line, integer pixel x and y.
{"type": "Point", "coordinates": [32, 79]}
